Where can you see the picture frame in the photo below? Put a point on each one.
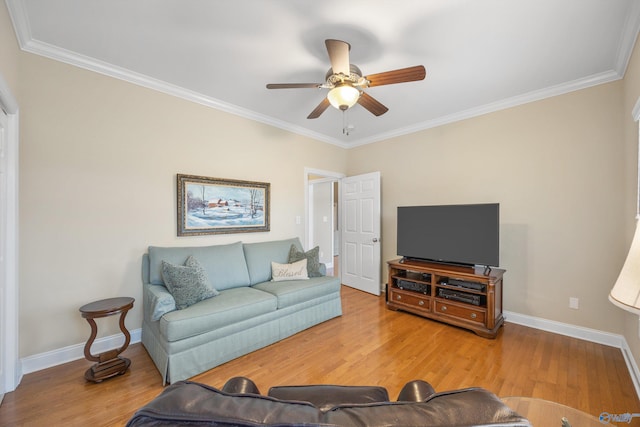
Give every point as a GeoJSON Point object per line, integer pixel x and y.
{"type": "Point", "coordinates": [221, 206]}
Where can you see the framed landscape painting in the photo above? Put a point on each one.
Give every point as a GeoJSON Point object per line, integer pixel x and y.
{"type": "Point", "coordinates": [216, 206]}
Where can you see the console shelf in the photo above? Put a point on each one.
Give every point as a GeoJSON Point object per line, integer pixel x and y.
{"type": "Point", "coordinates": [460, 296]}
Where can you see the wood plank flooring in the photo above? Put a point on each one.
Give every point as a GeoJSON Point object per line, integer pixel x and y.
{"type": "Point", "coordinates": [368, 345]}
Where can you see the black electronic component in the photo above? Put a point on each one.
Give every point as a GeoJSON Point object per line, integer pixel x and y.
{"type": "Point", "coordinates": [462, 297]}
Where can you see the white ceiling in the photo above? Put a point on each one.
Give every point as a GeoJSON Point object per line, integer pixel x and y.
{"type": "Point", "coordinates": [480, 55]}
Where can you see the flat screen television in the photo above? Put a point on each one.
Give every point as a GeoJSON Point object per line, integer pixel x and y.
{"type": "Point", "coordinates": [456, 234]}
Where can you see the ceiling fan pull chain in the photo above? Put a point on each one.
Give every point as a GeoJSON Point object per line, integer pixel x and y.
{"type": "Point", "coordinates": [345, 129]}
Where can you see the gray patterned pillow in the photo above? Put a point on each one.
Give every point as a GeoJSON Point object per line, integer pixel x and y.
{"type": "Point", "coordinates": [188, 284]}
{"type": "Point", "coordinates": [312, 256]}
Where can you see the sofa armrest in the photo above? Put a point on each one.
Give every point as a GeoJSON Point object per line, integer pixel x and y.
{"type": "Point", "coordinates": [240, 385]}
{"type": "Point", "coordinates": [416, 391]}
{"type": "Point", "coordinates": [323, 269]}
{"type": "Point", "coordinates": [157, 301]}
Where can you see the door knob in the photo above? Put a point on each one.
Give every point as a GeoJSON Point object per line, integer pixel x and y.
{"type": "Point", "coordinates": [375, 239]}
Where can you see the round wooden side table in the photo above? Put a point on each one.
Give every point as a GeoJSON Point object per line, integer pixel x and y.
{"type": "Point", "coordinates": [109, 363]}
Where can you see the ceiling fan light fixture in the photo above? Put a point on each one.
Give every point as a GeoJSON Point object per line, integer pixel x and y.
{"type": "Point", "coordinates": [343, 96]}
{"type": "Point", "coordinates": [347, 85]}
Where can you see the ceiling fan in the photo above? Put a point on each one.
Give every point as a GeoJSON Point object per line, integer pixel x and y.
{"type": "Point", "coordinates": [346, 83]}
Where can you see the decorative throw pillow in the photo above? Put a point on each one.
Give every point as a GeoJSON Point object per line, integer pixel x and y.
{"type": "Point", "coordinates": [312, 256]}
{"type": "Point", "coordinates": [295, 271]}
{"type": "Point", "coordinates": [188, 284]}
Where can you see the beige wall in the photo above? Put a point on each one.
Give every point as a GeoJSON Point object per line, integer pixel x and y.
{"type": "Point", "coordinates": [98, 164]}
{"type": "Point", "coordinates": [555, 167]}
{"type": "Point", "coordinates": [97, 186]}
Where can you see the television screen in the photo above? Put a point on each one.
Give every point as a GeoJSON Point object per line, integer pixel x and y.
{"type": "Point", "coordinates": [459, 234]}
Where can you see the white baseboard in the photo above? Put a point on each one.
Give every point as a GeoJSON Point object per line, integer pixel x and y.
{"type": "Point", "coordinates": [593, 335]}
{"type": "Point", "coordinates": [587, 334]}
{"type": "Point", "coordinates": [74, 352]}
{"type": "Point", "coordinates": [634, 373]}
{"type": "Point", "coordinates": [52, 358]}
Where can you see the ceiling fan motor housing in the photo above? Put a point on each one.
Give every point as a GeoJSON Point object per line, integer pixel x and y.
{"type": "Point", "coordinates": [354, 77]}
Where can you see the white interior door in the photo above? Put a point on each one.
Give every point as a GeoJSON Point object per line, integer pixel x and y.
{"type": "Point", "coordinates": [360, 254]}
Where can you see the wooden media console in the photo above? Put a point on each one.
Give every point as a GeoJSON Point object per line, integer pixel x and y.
{"type": "Point", "coordinates": [457, 295]}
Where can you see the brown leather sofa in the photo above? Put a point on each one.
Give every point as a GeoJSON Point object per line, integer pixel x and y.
{"type": "Point", "coordinates": [240, 403]}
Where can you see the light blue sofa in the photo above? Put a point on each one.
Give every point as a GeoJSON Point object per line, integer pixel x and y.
{"type": "Point", "coordinates": [250, 312]}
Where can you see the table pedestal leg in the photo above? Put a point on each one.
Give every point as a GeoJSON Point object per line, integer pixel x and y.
{"type": "Point", "coordinates": [109, 363]}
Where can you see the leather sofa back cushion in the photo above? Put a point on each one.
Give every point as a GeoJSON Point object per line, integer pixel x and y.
{"type": "Point", "coordinates": [192, 402]}
{"type": "Point", "coordinates": [466, 407]}
{"type": "Point", "coordinates": [225, 264]}
{"type": "Point", "coordinates": [326, 397]}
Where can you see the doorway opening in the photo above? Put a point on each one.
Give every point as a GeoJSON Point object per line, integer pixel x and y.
{"type": "Point", "coordinates": [322, 225]}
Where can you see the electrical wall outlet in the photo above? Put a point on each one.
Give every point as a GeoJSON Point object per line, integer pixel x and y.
{"type": "Point", "coordinates": [574, 303]}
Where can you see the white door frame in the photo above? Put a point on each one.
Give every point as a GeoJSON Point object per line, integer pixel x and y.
{"type": "Point", "coordinates": [307, 199]}
{"type": "Point", "coordinates": [10, 369]}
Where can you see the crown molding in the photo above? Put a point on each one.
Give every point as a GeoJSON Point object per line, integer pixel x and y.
{"type": "Point", "coordinates": [515, 101]}
{"type": "Point", "coordinates": [27, 43]}
{"type": "Point", "coordinates": [18, 16]}
{"type": "Point", "coordinates": [630, 32]}
{"type": "Point", "coordinates": [101, 67]}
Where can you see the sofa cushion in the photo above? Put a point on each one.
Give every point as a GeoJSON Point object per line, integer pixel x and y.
{"type": "Point", "coordinates": [187, 283]}
{"type": "Point", "coordinates": [187, 403]}
{"type": "Point", "coordinates": [298, 291]}
{"type": "Point", "coordinates": [466, 407]}
{"type": "Point", "coordinates": [225, 264]}
{"type": "Point", "coordinates": [312, 256]}
{"type": "Point", "coordinates": [285, 272]}
{"type": "Point", "coordinates": [230, 306]}
{"type": "Point", "coordinates": [260, 255]}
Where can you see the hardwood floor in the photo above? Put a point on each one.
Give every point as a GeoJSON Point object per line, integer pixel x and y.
{"type": "Point", "coordinates": [368, 345]}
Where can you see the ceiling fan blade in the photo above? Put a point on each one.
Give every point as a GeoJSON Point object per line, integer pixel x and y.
{"type": "Point", "coordinates": [293, 85]}
{"type": "Point", "coordinates": [319, 109]}
{"type": "Point", "coordinates": [339, 56]}
{"type": "Point", "coordinates": [371, 104]}
{"type": "Point", "coordinates": [402, 75]}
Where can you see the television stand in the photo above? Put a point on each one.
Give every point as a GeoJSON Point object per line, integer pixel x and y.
{"type": "Point", "coordinates": [461, 296]}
